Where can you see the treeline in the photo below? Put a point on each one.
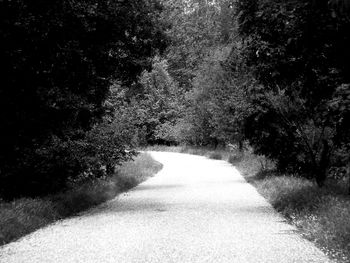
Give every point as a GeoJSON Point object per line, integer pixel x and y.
{"type": "Point", "coordinates": [59, 62]}
{"type": "Point", "coordinates": [298, 53]}
{"type": "Point", "coordinates": [273, 74]}
{"type": "Point", "coordinates": [86, 82]}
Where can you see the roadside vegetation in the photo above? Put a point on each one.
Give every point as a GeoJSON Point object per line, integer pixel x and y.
{"type": "Point", "coordinates": [102, 79]}
{"type": "Point", "coordinates": [321, 214]}
{"type": "Point", "coordinates": [25, 215]}
{"type": "Point", "coordinates": [273, 76]}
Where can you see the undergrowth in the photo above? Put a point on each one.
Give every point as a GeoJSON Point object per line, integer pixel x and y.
{"type": "Point", "coordinates": [25, 215]}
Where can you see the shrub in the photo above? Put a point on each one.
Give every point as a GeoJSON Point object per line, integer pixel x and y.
{"type": "Point", "coordinates": [215, 156]}
{"type": "Point", "coordinates": [59, 162]}
{"type": "Point", "coordinates": [235, 158]}
{"type": "Point", "coordinates": [57, 78]}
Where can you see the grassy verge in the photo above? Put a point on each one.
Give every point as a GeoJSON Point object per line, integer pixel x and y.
{"type": "Point", "coordinates": [26, 215]}
{"type": "Point", "coordinates": [321, 215]}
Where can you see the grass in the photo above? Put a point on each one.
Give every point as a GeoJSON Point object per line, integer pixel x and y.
{"type": "Point", "coordinates": [321, 214]}
{"type": "Point", "coordinates": [23, 216]}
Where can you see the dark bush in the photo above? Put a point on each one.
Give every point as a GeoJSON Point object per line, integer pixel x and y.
{"type": "Point", "coordinates": [59, 163]}
{"type": "Point", "coordinates": [58, 59]}
{"type": "Point", "coordinates": [215, 156]}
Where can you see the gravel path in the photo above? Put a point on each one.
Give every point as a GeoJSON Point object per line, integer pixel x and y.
{"type": "Point", "coordinates": [194, 210]}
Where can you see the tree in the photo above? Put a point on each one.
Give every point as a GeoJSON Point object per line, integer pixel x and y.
{"type": "Point", "coordinates": [196, 27]}
{"type": "Point", "coordinates": [200, 34]}
{"type": "Point", "coordinates": [160, 102]}
{"type": "Point", "coordinates": [58, 60]}
{"type": "Point", "coordinates": [297, 51]}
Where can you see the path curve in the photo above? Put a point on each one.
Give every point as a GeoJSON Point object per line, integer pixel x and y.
{"type": "Point", "coordinates": [194, 210]}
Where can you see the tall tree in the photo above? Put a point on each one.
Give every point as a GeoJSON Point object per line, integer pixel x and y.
{"type": "Point", "coordinates": [58, 59]}
{"type": "Point", "coordinates": [298, 51]}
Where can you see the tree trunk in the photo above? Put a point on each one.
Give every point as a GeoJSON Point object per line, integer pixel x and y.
{"type": "Point", "coordinates": [348, 174]}
{"type": "Point", "coordinates": [110, 169]}
{"type": "Point", "coordinates": [240, 146]}
{"type": "Point", "coordinates": [321, 170]}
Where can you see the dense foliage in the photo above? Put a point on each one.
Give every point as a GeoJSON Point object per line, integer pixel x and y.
{"type": "Point", "coordinates": [298, 51]}
{"type": "Point", "coordinates": [58, 59]}
{"type": "Point", "coordinates": [272, 73]}
{"type": "Point", "coordinates": [87, 81]}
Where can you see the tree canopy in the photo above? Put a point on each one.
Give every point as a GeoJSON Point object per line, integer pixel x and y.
{"type": "Point", "coordinates": [87, 82]}
{"type": "Point", "coordinates": [58, 59]}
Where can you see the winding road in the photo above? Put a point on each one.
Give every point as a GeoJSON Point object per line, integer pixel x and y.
{"type": "Point", "coordinates": [194, 210]}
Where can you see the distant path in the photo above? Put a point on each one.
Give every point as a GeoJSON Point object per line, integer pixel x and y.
{"type": "Point", "coordinates": [194, 210]}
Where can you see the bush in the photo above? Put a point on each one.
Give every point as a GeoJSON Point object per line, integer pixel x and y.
{"type": "Point", "coordinates": [235, 158]}
{"type": "Point", "coordinates": [59, 162]}
{"type": "Point", "coordinates": [57, 78]}
{"type": "Point", "coordinates": [215, 156]}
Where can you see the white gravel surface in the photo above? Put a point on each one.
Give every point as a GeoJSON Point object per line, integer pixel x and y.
{"type": "Point", "coordinates": [194, 210]}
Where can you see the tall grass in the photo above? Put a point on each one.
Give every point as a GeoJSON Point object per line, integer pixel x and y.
{"type": "Point", "coordinates": [322, 214]}
{"type": "Point", "coordinates": [22, 216]}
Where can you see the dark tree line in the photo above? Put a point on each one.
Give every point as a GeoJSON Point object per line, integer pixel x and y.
{"type": "Point", "coordinates": [299, 52]}
{"type": "Point", "coordinates": [274, 74]}
{"type": "Point", "coordinates": [84, 81]}
{"type": "Point", "coordinates": [58, 60]}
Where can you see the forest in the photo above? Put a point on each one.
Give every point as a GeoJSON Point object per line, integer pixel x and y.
{"type": "Point", "coordinates": [88, 83]}
{"type": "Point", "coordinates": [85, 83]}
